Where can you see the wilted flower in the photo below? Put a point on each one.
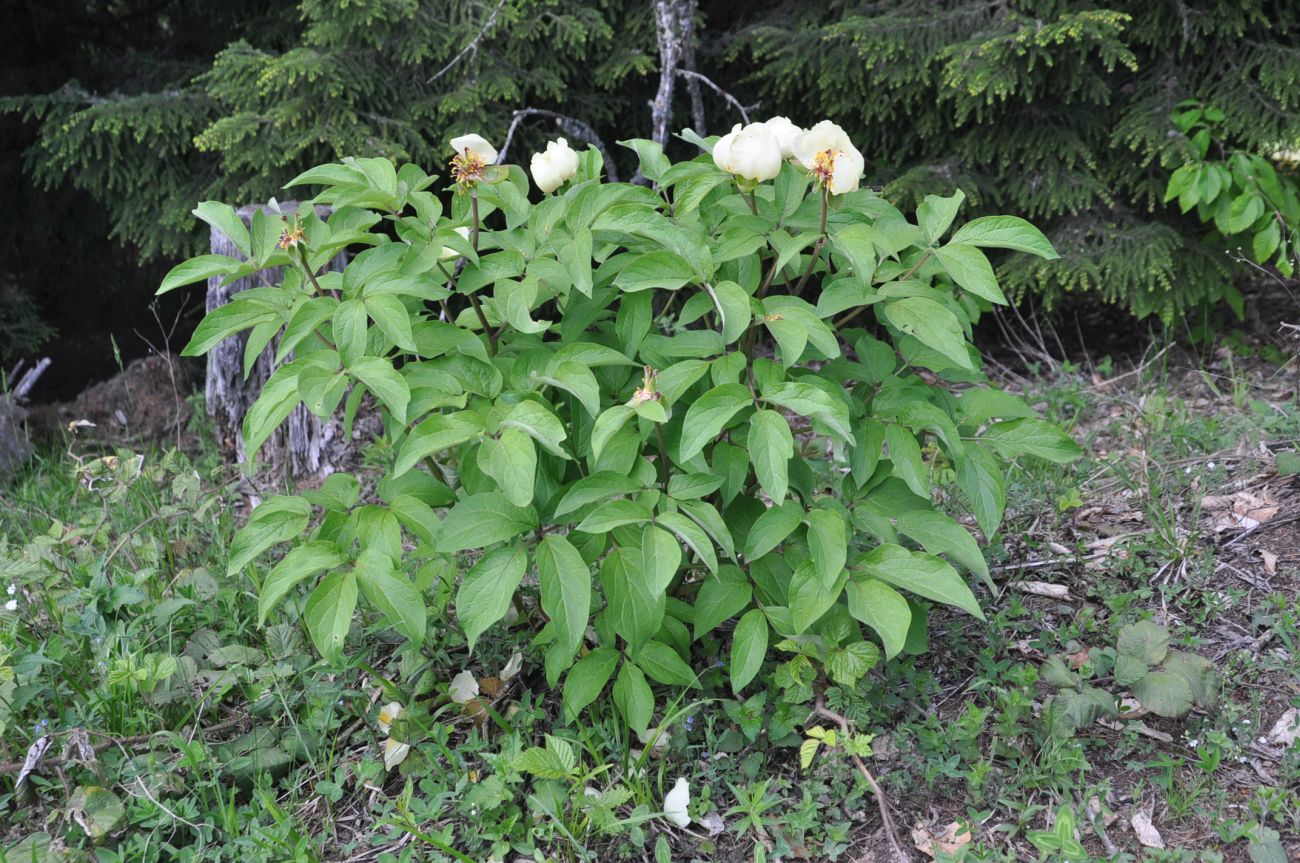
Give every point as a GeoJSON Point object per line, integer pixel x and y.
{"type": "Point", "coordinates": [512, 667]}
{"type": "Point", "coordinates": [554, 167]}
{"type": "Point", "coordinates": [675, 803]}
{"type": "Point", "coordinates": [463, 687]}
{"type": "Point", "coordinates": [473, 155]}
{"type": "Point", "coordinates": [388, 715]}
{"type": "Point", "coordinates": [752, 153]}
{"type": "Point", "coordinates": [395, 752]}
{"type": "Point", "coordinates": [785, 133]}
{"type": "Point", "coordinates": [827, 152]}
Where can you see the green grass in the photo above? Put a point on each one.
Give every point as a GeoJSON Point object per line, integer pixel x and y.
{"type": "Point", "coordinates": [221, 740]}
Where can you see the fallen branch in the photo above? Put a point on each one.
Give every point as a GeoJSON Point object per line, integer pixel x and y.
{"type": "Point", "coordinates": [24, 386]}
{"type": "Point", "coordinates": [891, 832]}
{"type": "Point", "coordinates": [110, 742]}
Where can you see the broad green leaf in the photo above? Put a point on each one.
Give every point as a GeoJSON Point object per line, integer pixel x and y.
{"type": "Point", "coordinates": [512, 462]}
{"type": "Point", "coordinates": [482, 520]}
{"type": "Point", "coordinates": [1005, 232]}
{"type": "Point", "coordinates": [661, 557]}
{"type": "Point", "coordinates": [615, 513]}
{"type": "Point", "coordinates": [392, 593]}
{"type": "Point", "coordinates": [587, 679]}
{"type": "Point", "coordinates": [1164, 693]}
{"type": "Point", "coordinates": [279, 397]}
{"type": "Point", "coordinates": [939, 534]}
{"type": "Point", "coordinates": [883, 609]}
{"type": "Point", "coordinates": [936, 214]}
{"type": "Point", "coordinates": [709, 414]}
{"type": "Point", "coordinates": [299, 564]}
{"type": "Point", "coordinates": [608, 424]}
{"type": "Point", "coordinates": [488, 589]}
{"type": "Point", "coordinates": [539, 423]}
{"type": "Point", "coordinates": [810, 596]}
{"type": "Point", "coordinates": [348, 329]}
{"type": "Point", "coordinates": [693, 535]}
{"type": "Point", "coordinates": [923, 574]}
{"type": "Point", "coordinates": [633, 697]}
{"type": "Point", "coordinates": [810, 401]}
{"type": "Point", "coordinates": [905, 456]}
{"type": "Point", "coordinates": [198, 269]}
{"type": "Point", "coordinates": [393, 319]}
{"type": "Point", "coordinates": [1201, 676]}
{"type": "Point", "coordinates": [379, 376]}
{"type": "Point", "coordinates": [970, 269]}
{"type": "Point", "coordinates": [1144, 640]}
{"type": "Point", "coordinates": [772, 528]}
{"type": "Point", "coordinates": [593, 488]}
{"type": "Point", "coordinates": [277, 519]}
{"type": "Point", "coordinates": [1032, 437]}
{"type": "Point", "coordinates": [771, 446]}
{"type": "Point", "coordinates": [846, 665]}
{"type": "Point", "coordinates": [566, 590]}
{"type": "Point", "coordinates": [748, 648]}
{"type": "Point", "coordinates": [933, 325]}
{"type": "Point", "coordinates": [980, 477]}
{"type": "Point", "coordinates": [829, 543]}
{"type": "Point", "coordinates": [328, 613]}
{"type": "Point", "coordinates": [660, 662]}
{"type": "Point", "coordinates": [577, 379]}
{"type": "Point", "coordinates": [658, 269]}
{"type": "Point", "coordinates": [633, 608]}
{"type": "Point", "coordinates": [439, 432]}
{"type": "Point", "coordinates": [720, 597]}
{"type": "Point", "coordinates": [225, 321]}
{"type": "Point", "coordinates": [224, 219]}
{"type": "Point", "coordinates": [706, 516]}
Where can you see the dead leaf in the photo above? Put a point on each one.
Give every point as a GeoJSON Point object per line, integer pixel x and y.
{"type": "Point", "coordinates": [490, 686]}
{"type": "Point", "coordinates": [946, 840]}
{"type": "Point", "coordinates": [1057, 548]}
{"type": "Point", "coordinates": [1078, 660]}
{"type": "Point", "coordinates": [1145, 831]}
{"type": "Point", "coordinates": [1241, 511]}
{"type": "Point", "coordinates": [1286, 729]}
{"type": "Point", "coordinates": [1042, 588]}
{"type": "Point", "coordinates": [713, 823]}
{"type": "Point", "coordinates": [1270, 561]}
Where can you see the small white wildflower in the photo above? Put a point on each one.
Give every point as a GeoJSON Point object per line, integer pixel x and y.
{"type": "Point", "coordinates": [1245, 722]}
{"type": "Point", "coordinates": [12, 589]}
{"type": "Point", "coordinates": [1193, 743]}
{"type": "Point", "coordinates": [1211, 465]}
{"type": "Point", "coordinates": [11, 605]}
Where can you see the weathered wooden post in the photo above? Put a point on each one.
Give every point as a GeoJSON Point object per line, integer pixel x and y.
{"type": "Point", "coordinates": [305, 447]}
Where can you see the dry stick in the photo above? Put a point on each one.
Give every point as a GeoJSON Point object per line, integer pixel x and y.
{"type": "Point", "coordinates": [817, 247]}
{"type": "Point", "coordinates": [29, 379]}
{"type": "Point", "coordinates": [578, 129]}
{"type": "Point", "coordinates": [891, 832]}
{"type": "Point", "coordinates": [472, 45]}
{"type": "Point", "coordinates": [15, 766]}
{"type": "Point", "coordinates": [691, 76]}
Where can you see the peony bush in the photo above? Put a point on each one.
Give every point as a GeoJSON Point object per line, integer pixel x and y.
{"type": "Point", "coordinates": [734, 414]}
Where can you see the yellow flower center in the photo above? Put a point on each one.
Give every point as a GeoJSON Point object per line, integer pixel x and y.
{"type": "Point", "coordinates": [649, 389]}
{"type": "Point", "coordinates": [292, 237]}
{"type": "Point", "coordinates": [824, 166]}
{"type": "Point", "coordinates": [467, 169]}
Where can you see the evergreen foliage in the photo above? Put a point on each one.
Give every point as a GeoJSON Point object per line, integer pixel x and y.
{"type": "Point", "coordinates": [1060, 111]}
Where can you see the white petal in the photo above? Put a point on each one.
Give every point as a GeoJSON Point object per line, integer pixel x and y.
{"type": "Point", "coordinates": [545, 174]}
{"type": "Point", "coordinates": [785, 132]}
{"type": "Point", "coordinates": [476, 144]}
{"type": "Point", "coordinates": [395, 752]}
{"type": "Point", "coordinates": [388, 715]}
{"type": "Point", "coordinates": [463, 687]}
{"type": "Point", "coordinates": [512, 667]}
{"type": "Point", "coordinates": [676, 802]}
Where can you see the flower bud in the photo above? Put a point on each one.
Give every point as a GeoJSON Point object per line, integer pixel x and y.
{"type": "Point", "coordinates": [752, 153]}
{"type": "Point", "coordinates": [554, 167]}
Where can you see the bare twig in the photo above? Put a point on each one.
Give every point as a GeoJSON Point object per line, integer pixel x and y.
{"type": "Point", "coordinates": [891, 832]}
{"type": "Point", "coordinates": [577, 129]}
{"type": "Point", "coordinates": [473, 43]}
{"type": "Point", "coordinates": [691, 75]}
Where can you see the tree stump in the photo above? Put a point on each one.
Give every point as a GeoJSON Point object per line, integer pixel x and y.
{"type": "Point", "coordinates": [304, 447]}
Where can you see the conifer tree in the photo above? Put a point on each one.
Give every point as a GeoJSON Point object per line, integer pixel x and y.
{"type": "Point", "coordinates": [1058, 110]}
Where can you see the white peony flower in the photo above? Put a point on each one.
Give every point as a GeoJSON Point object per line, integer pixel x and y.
{"type": "Point", "coordinates": [463, 687]}
{"type": "Point", "coordinates": [785, 132]}
{"type": "Point", "coordinates": [752, 153]}
{"type": "Point", "coordinates": [827, 152]}
{"type": "Point", "coordinates": [675, 803]}
{"type": "Point", "coordinates": [447, 251]}
{"type": "Point", "coordinates": [476, 145]}
{"type": "Point", "coordinates": [554, 167]}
